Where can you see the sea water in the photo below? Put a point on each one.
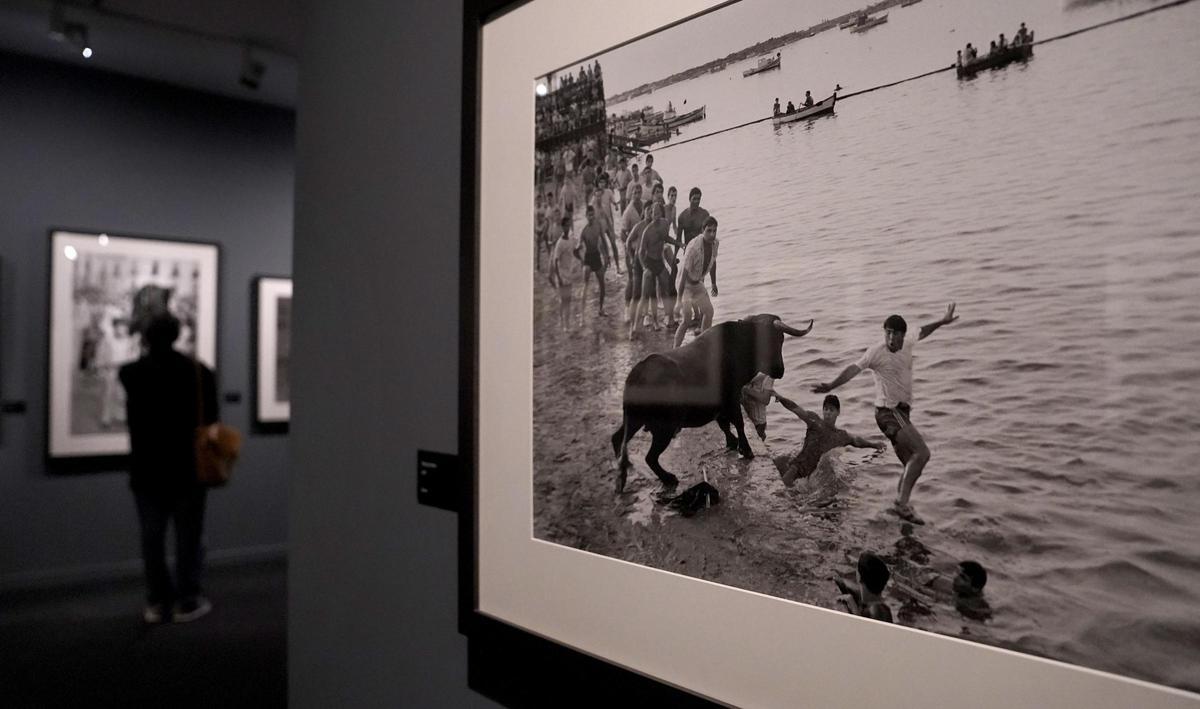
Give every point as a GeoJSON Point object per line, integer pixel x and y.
{"type": "Point", "coordinates": [1057, 202]}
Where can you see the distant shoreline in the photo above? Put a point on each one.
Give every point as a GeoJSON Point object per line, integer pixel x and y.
{"type": "Point", "coordinates": [764, 47]}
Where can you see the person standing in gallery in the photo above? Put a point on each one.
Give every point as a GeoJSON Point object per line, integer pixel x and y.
{"type": "Point", "coordinates": [168, 395]}
{"type": "Point", "coordinates": [891, 361]}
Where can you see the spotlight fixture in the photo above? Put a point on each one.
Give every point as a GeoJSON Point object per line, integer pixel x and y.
{"type": "Point", "coordinates": [252, 69]}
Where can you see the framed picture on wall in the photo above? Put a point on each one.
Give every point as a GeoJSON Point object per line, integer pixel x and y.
{"type": "Point", "coordinates": [273, 338]}
{"type": "Point", "coordinates": [853, 340]}
{"type": "Point", "coordinates": [93, 329]}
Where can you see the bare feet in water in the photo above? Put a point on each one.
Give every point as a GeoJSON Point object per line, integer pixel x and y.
{"type": "Point", "coordinates": [906, 513]}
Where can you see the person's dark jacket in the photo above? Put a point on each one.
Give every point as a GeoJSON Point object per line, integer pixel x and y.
{"type": "Point", "coordinates": [162, 412]}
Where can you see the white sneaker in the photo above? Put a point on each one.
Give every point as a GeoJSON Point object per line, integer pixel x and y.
{"type": "Point", "coordinates": [191, 610]}
{"type": "Point", "coordinates": [153, 614]}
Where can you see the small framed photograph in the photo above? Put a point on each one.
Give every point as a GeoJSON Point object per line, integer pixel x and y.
{"type": "Point", "coordinates": [94, 279]}
{"type": "Point", "coordinates": [835, 354]}
{"type": "Point", "coordinates": [272, 353]}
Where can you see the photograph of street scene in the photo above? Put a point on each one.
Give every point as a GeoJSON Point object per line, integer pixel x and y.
{"type": "Point", "coordinates": [888, 309]}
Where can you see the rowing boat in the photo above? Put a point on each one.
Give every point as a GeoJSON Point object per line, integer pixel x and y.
{"type": "Point", "coordinates": [995, 60]}
{"type": "Point", "coordinates": [685, 118]}
{"type": "Point", "coordinates": [873, 22]}
{"type": "Point", "coordinates": [764, 64]}
{"type": "Point", "coordinates": [820, 108]}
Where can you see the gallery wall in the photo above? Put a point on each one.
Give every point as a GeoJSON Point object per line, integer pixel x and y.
{"type": "Point", "coordinates": [88, 150]}
{"type": "Point", "coordinates": [372, 586]}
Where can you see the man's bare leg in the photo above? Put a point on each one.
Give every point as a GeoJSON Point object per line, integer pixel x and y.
{"type": "Point", "coordinates": [587, 273]}
{"type": "Point", "coordinates": [910, 438]}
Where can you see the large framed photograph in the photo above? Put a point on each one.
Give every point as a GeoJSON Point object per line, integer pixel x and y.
{"type": "Point", "coordinates": [273, 348]}
{"type": "Point", "coordinates": [824, 354]}
{"type": "Point", "coordinates": [95, 278]}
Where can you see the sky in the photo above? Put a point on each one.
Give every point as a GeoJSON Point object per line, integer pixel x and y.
{"type": "Point", "coordinates": [713, 35]}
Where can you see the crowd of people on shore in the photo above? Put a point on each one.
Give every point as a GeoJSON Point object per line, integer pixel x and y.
{"type": "Point", "coordinates": [970, 53]}
{"type": "Point", "coordinates": [577, 103]}
{"type": "Point", "coordinates": [613, 213]}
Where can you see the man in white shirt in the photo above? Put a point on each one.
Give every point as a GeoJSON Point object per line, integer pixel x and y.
{"type": "Point", "coordinates": [698, 259]}
{"type": "Point", "coordinates": [891, 363]}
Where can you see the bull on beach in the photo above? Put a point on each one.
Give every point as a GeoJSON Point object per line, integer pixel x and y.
{"type": "Point", "coordinates": [697, 383]}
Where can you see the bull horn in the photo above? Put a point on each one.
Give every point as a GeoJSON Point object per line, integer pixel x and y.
{"type": "Point", "coordinates": [789, 330]}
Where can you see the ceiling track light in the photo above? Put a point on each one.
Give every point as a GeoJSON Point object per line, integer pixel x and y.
{"type": "Point", "coordinates": [252, 69]}
{"type": "Point", "coordinates": [73, 33]}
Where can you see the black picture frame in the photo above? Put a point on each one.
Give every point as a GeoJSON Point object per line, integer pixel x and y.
{"type": "Point", "coordinates": [57, 463]}
{"type": "Point", "coordinates": [259, 424]}
{"type": "Point", "coordinates": [505, 663]}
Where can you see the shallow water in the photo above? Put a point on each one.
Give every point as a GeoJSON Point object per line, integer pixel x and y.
{"type": "Point", "coordinates": [1058, 203]}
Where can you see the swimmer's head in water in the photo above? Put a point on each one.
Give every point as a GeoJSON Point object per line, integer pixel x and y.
{"type": "Point", "coordinates": [830, 408]}
{"type": "Point", "coordinates": [873, 572]}
{"type": "Point", "coordinates": [893, 332]}
{"type": "Point", "coordinates": [970, 579]}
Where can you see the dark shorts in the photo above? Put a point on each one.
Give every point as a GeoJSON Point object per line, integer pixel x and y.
{"type": "Point", "coordinates": [654, 266]}
{"type": "Point", "coordinates": [890, 421]}
{"type": "Point", "coordinates": [592, 260]}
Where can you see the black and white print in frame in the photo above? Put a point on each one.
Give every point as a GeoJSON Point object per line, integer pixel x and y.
{"type": "Point", "coordinates": [1001, 290]}
{"type": "Point", "coordinates": [94, 277]}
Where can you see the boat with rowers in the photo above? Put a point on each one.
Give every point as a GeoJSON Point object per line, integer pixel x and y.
{"type": "Point", "coordinates": [819, 108]}
{"type": "Point", "coordinates": [865, 25]}
{"type": "Point", "coordinates": [764, 64]}
{"type": "Point", "coordinates": [994, 60]}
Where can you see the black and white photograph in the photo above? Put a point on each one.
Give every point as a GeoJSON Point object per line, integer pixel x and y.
{"type": "Point", "coordinates": [887, 309]}
{"type": "Point", "coordinates": [274, 338]}
{"type": "Point", "coordinates": [102, 285]}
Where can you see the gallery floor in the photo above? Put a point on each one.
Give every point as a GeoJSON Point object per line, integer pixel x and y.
{"type": "Point", "coordinates": [87, 646]}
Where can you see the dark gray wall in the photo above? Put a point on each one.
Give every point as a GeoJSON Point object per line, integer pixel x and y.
{"type": "Point", "coordinates": [89, 150]}
{"type": "Point", "coordinates": [372, 577]}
